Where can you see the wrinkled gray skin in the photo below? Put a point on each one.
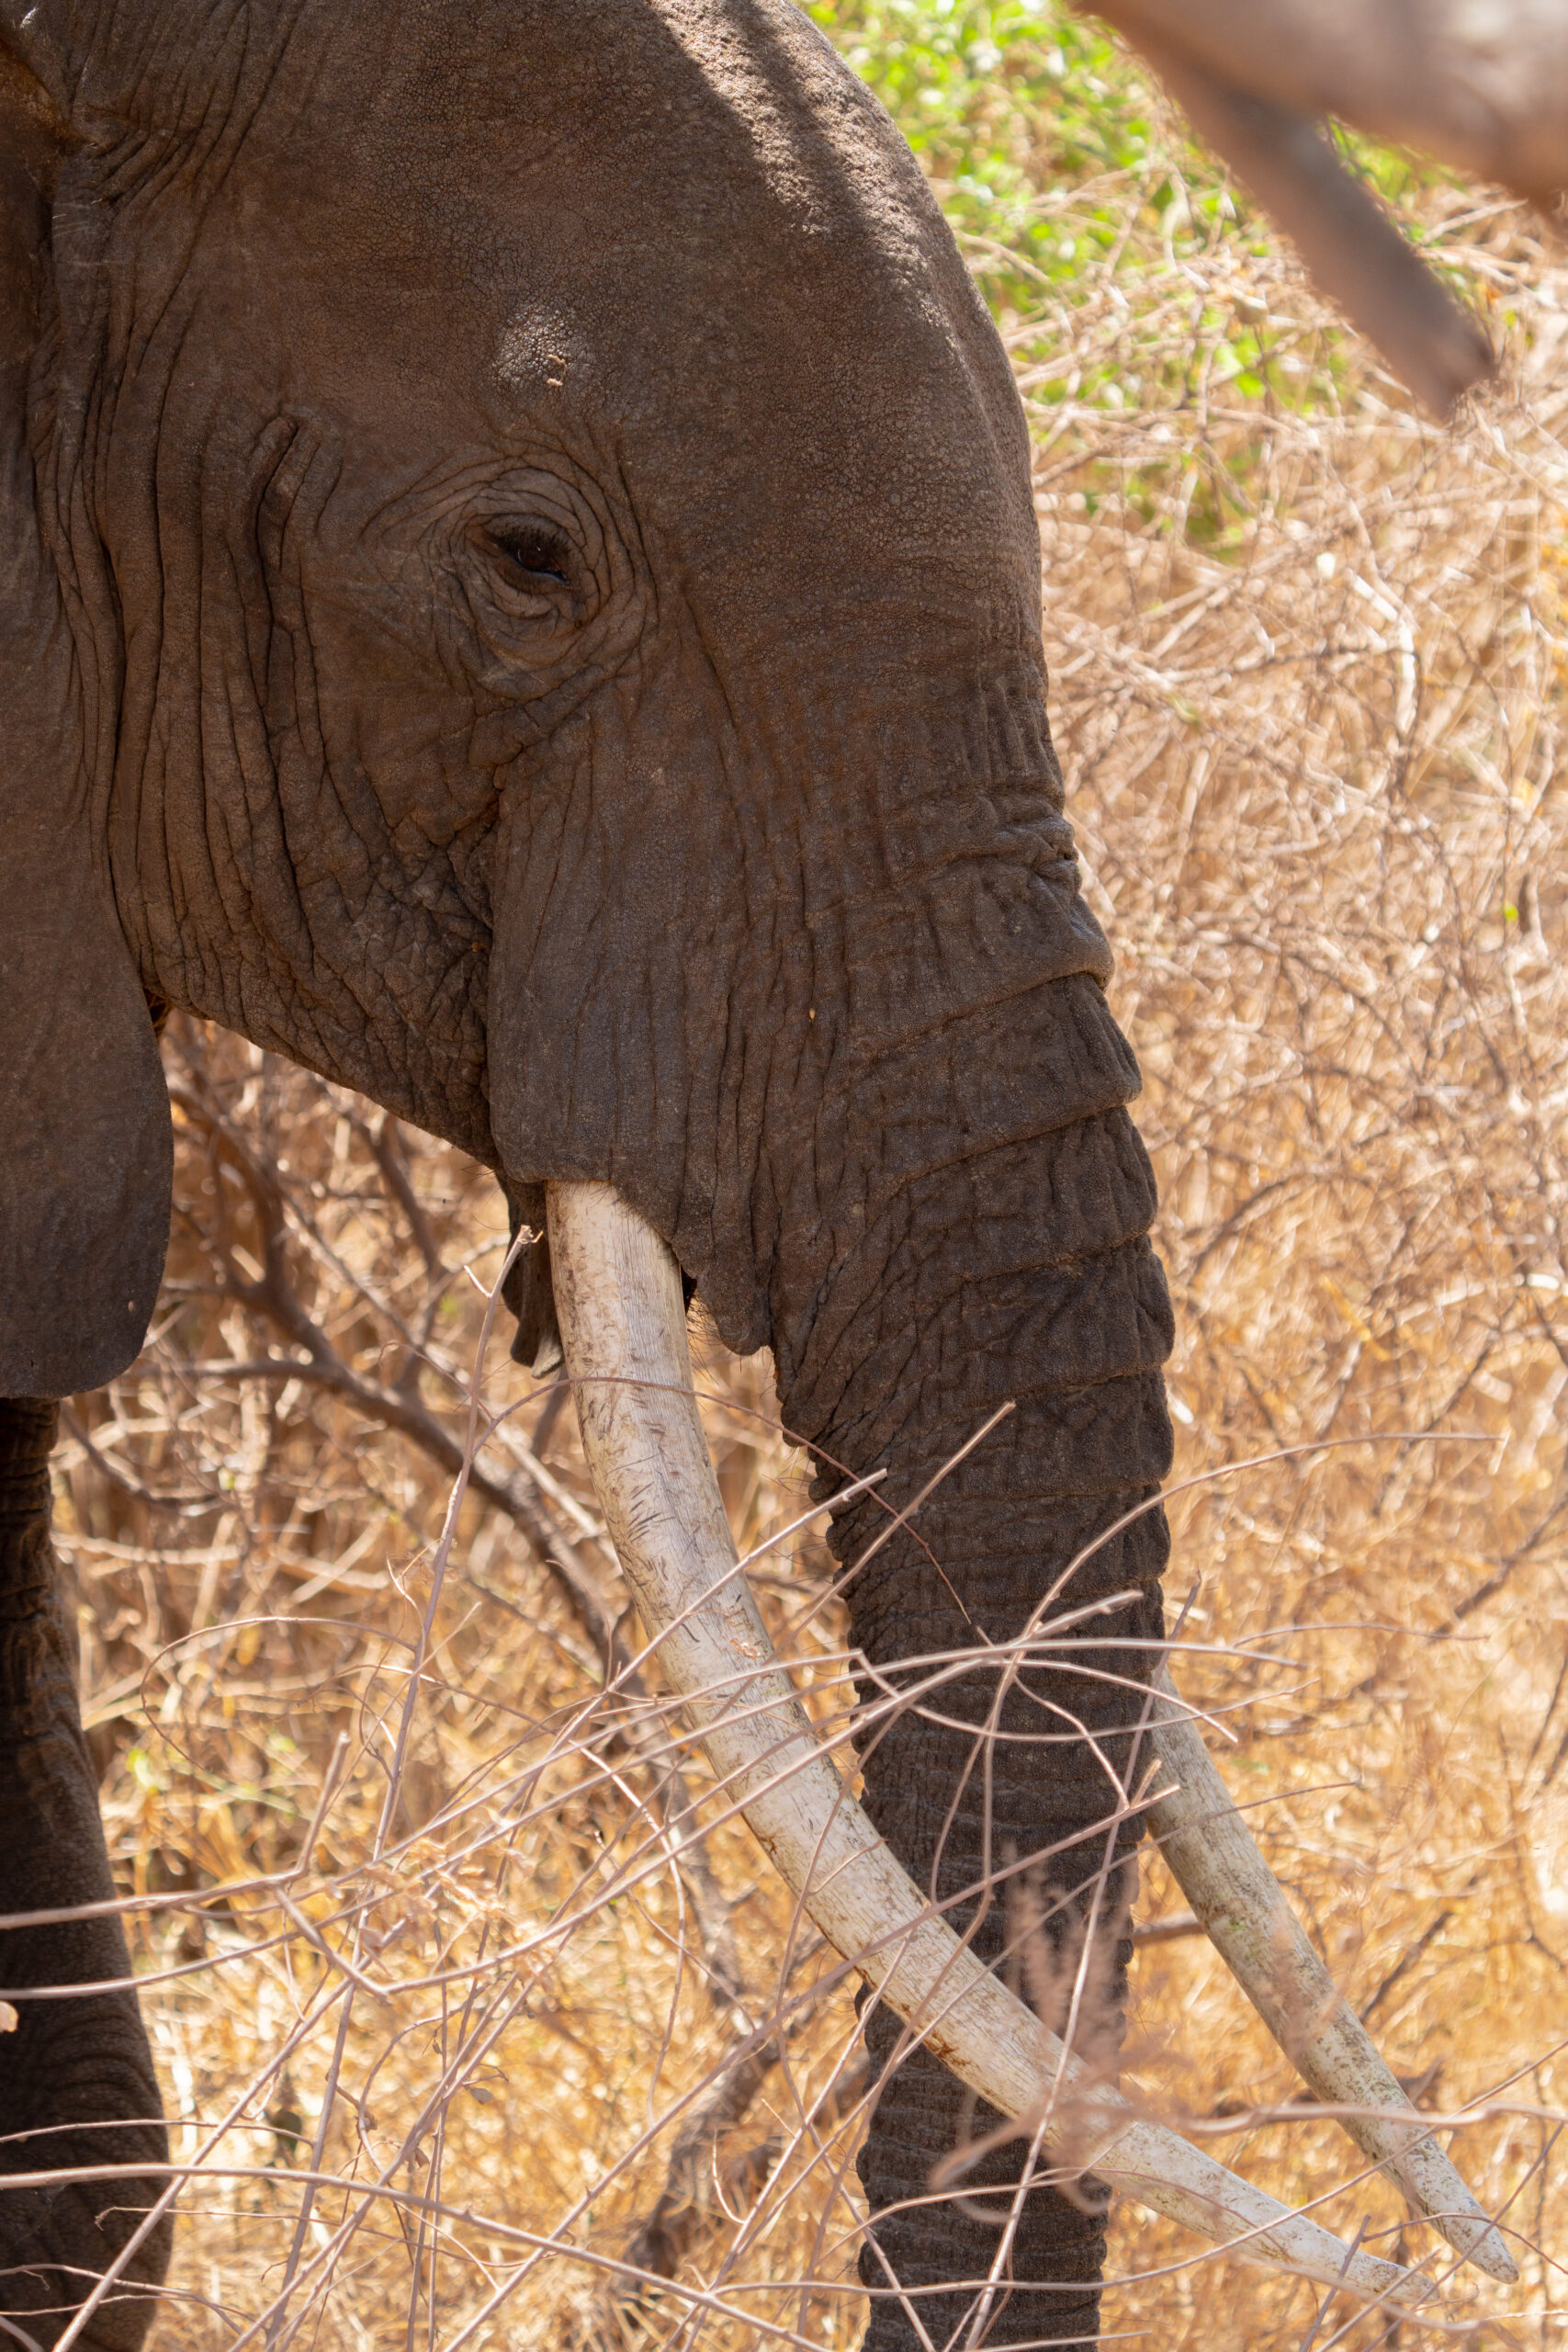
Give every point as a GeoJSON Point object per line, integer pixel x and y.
{"type": "Point", "coordinates": [521, 594]}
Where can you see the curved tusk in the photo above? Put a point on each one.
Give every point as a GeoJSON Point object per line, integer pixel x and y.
{"type": "Point", "coordinates": [624, 1331]}
{"type": "Point", "coordinates": [1215, 1862]}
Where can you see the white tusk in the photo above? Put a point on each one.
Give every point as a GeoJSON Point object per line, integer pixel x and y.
{"type": "Point", "coordinates": [624, 1331]}
{"type": "Point", "coordinates": [1215, 1862]}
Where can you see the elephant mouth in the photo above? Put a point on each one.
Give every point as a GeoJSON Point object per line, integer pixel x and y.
{"type": "Point", "coordinates": [622, 1329]}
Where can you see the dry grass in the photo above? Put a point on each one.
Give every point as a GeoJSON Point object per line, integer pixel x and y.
{"type": "Point", "coordinates": [1309, 677]}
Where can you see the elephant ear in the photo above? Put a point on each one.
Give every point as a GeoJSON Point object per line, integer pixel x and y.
{"type": "Point", "coordinates": [84, 1140]}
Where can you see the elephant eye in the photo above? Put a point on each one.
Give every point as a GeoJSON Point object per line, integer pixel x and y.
{"type": "Point", "coordinates": [527, 576]}
{"type": "Point", "coordinates": [532, 555]}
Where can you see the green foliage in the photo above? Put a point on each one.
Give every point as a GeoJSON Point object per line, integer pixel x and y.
{"type": "Point", "coordinates": [1070, 185]}
{"type": "Point", "coordinates": [1076, 189]}
{"type": "Point", "coordinates": [1012, 109]}
{"type": "Point", "coordinates": [1001, 101]}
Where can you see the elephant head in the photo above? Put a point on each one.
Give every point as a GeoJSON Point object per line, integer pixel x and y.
{"type": "Point", "coordinates": [521, 594]}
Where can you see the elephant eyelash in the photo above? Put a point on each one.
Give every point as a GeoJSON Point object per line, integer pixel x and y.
{"type": "Point", "coordinates": [533, 554]}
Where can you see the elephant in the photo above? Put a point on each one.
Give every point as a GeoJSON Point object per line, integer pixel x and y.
{"type": "Point", "coordinates": [521, 594]}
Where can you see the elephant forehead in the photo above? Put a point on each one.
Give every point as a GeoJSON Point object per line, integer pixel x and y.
{"type": "Point", "coordinates": [613, 182]}
{"type": "Point", "coordinates": [612, 95]}
{"type": "Point", "coordinates": [770, 85]}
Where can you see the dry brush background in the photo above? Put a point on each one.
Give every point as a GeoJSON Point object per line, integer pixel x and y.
{"type": "Point", "coordinates": [524, 2048]}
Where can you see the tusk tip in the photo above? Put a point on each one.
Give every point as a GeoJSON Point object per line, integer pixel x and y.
{"type": "Point", "coordinates": [1487, 2251]}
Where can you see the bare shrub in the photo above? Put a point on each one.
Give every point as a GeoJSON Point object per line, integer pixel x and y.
{"type": "Point", "coordinates": [1314, 751]}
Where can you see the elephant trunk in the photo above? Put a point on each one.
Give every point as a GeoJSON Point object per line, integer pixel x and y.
{"type": "Point", "coordinates": [885, 1129]}
{"type": "Point", "coordinates": [1015, 1271]}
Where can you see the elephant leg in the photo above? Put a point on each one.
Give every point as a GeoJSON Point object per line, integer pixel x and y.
{"type": "Point", "coordinates": [76, 2080]}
